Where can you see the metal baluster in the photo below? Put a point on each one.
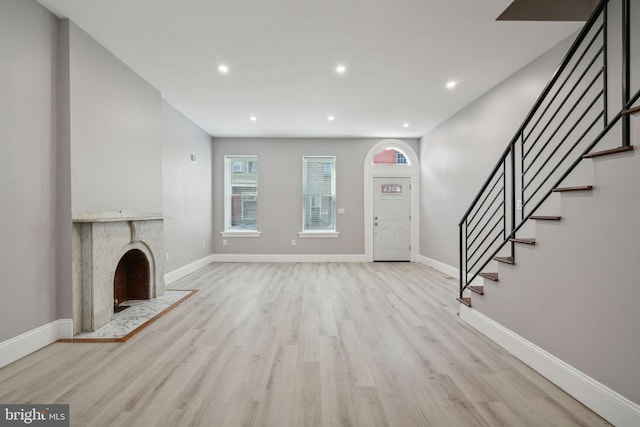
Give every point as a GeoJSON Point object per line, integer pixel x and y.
{"type": "Point", "coordinates": [626, 69]}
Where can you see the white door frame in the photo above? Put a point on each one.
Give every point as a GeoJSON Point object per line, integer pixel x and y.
{"type": "Point", "coordinates": [411, 170]}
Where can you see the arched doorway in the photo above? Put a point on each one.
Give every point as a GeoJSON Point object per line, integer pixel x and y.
{"type": "Point", "coordinates": [392, 158]}
{"type": "Point", "coordinates": [131, 279]}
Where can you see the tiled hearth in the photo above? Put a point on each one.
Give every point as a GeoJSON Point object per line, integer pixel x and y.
{"type": "Point", "coordinates": [135, 316]}
{"type": "Point", "coordinates": [99, 244]}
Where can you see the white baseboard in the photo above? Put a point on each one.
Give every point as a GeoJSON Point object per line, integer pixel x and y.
{"type": "Point", "coordinates": [289, 258]}
{"type": "Point", "coordinates": [185, 270]}
{"type": "Point", "coordinates": [599, 398]}
{"type": "Point", "coordinates": [22, 345]}
{"type": "Point", "coordinates": [440, 266]}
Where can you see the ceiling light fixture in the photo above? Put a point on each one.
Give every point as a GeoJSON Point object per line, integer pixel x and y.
{"type": "Point", "coordinates": [451, 84]}
{"type": "Point", "coordinates": [224, 69]}
{"type": "Point", "coordinates": [253, 118]}
{"type": "Point", "coordinates": [406, 125]}
{"type": "Point", "coordinates": [340, 69]}
{"type": "Point", "coordinates": [331, 118]}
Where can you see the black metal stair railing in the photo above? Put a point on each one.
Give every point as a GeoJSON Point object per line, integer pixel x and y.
{"type": "Point", "coordinates": [569, 118]}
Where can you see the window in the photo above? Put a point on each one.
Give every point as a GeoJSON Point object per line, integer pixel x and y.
{"type": "Point", "coordinates": [318, 194]}
{"type": "Point", "coordinates": [390, 156]}
{"type": "Point", "coordinates": [241, 193]}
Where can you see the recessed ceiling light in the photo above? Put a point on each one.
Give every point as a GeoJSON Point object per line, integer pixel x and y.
{"type": "Point", "coordinates": [340, 69]}
{"type": "Point", "coordinates": [224, 69]}
{"type": "Point", "coordinates": [405, 125]}
{"type": "Point", "coordinates": [331, 118]}
{"type": "Point", "coordinates": [451, 84]}
{"type": "Point", "coordinates": [253, 118]}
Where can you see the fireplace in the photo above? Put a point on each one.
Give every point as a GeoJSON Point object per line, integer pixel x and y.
{"type": "Point", "coordinates": [115, 259]}
{"type": "Point", "coordinates": [131, 280]}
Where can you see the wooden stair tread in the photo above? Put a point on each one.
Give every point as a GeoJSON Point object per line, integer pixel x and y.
{"type": "Point", "coordinates": [526, 241]}
{"type": "Point", "coordinates": [506, 260]}
{"type": "Point", "coordinates": [545, 217]}
{"type": "Point", "coordinates": [568, 189]}
{"type": "Point", "coordinates": [608, 152]}
{"type": "Point", "coordinates": [465, 300]}
{"type": "Point", "coordinates": [490, 276]}
{"type": "Point", "coordinates": [631, 111]}
{"type": "Point", "coordinates": [477, 289]}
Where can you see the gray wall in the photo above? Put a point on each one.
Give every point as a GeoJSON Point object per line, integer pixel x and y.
{"type": "Point", "coordinates": [130, 150]}
{"type": "Point", "coordinates": [28, 218]}
{"type": "Point", "coordinates": [63, 185]}
{"type": "Point", "coordinates": [457, 156]}
{"type": "Point", "coordinates": [116, 145]}
{"type": "Point", "coordinates": [280, 193]}
{"type": "Point", "coordinates": [187, 189]}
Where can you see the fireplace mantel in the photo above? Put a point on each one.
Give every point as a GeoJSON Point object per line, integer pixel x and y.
{"type": "Point", "coordinates": [109, 218]}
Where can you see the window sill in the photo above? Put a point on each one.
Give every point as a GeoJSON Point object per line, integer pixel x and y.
{"type": "Point", "coordinates": [318, 234]}
{"type": "Point", "coordinates": [241, 233]}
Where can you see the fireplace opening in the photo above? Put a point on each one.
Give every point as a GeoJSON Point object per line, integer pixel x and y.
{"type": "Point", "coordinates": [131, 281]}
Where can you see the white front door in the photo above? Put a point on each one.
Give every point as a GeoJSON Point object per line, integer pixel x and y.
{"type": "Point", "coordinates": [391, 219]}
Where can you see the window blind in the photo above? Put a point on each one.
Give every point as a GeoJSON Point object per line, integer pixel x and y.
{"type": "Point", "coordinates": [319, 193]}
{"type": "Point", "coordinates": [241, 192]}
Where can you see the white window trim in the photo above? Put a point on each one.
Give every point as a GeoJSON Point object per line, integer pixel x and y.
{"type": "Point", "coordinates": [241, 233]}
{"type": "Point", "coordinates": [320, 233]}
{"type": "Point", "coordinates": [228, 231]}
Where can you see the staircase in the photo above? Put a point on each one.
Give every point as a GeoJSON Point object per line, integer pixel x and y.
{"type": "Point", "coordinates": [493, 277]}
{"type": "Point", "coordinates": [548, 248]}
{"type": "Point", "coordinates": [573, 122]}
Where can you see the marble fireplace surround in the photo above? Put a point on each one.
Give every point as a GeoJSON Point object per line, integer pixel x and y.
{"type": "Point", "coordinates": [99, 242]}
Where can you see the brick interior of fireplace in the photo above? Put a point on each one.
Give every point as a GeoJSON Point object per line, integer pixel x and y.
{"type": "Point", "coordinates": [131, 280]}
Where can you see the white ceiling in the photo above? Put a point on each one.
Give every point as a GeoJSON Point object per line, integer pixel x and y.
{"type": "Point", "coordinates": [282, 56]}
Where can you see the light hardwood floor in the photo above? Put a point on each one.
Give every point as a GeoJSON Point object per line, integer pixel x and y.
{"type": "Point", "coordinates": [299, 344]}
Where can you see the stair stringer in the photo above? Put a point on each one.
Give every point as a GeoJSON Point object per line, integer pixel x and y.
{"type": "Point", "coordinates": [575, 293]}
